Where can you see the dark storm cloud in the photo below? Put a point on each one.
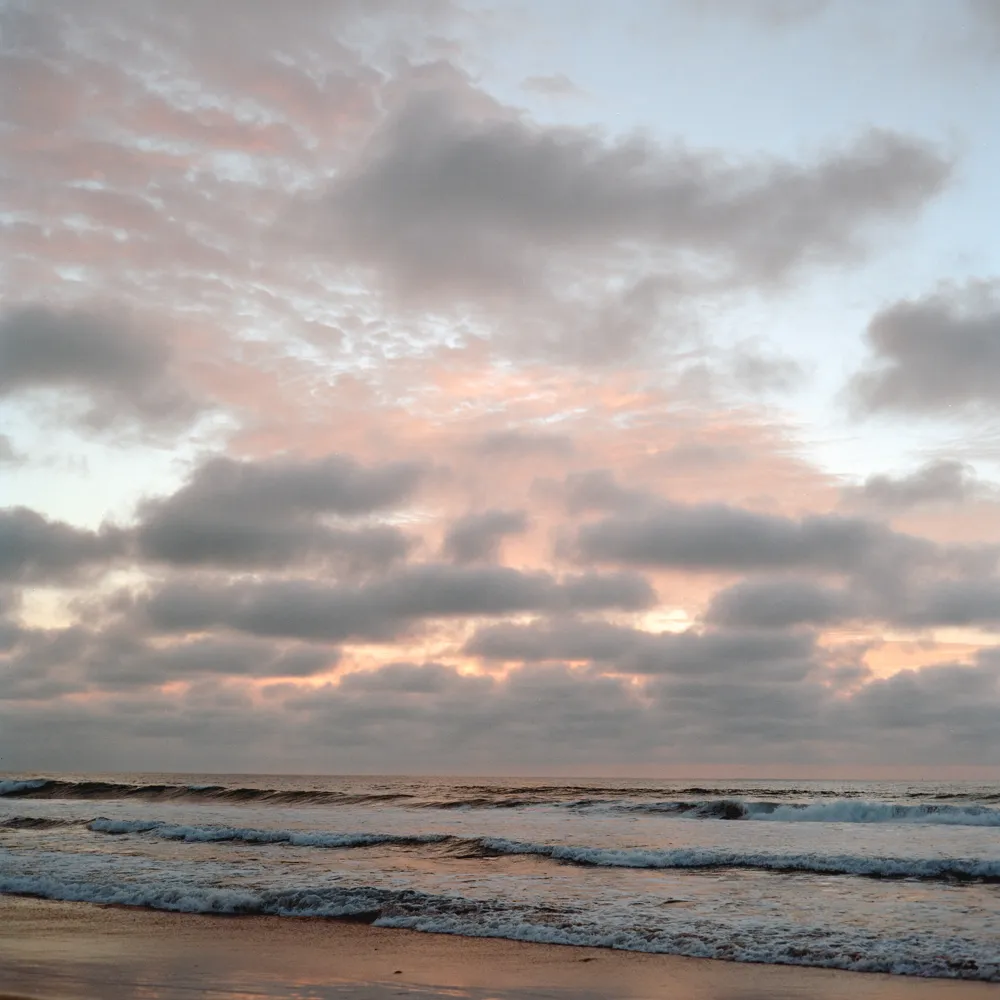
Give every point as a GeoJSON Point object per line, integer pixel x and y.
{"type": "Point", "coordinates": [942, 481]}
{"type": "Point", "coordinates": [268, 513]}
{"type": "Point", "coordinates": [631, 651]}
{"type": "Point", "coordinates": [385, 608]}
{"type": "Point", "coordinates": [36, 550]}
{"type": "Point", "coordinates": [477, 537]}
{"type": "Point", "coordinates": [123, 370]}
{"type": "Point", "coordinates": [459, 199]}
{"type": "Point", "coordinates": [719, 537]}
{"type": "Point", "coordinates": [934, 354]}
{"type": "Point", "coordinates": [779, 604]}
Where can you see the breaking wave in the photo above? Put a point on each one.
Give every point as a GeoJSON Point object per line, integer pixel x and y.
{"type": "Point", "coordinates": [743, 940]}
{"type": "Point", "coordinates": [931, 869]}
{"type": "Point", "coordinates": [982, 870]}
{"type": "Point", "coordinates": [295, 838]}
{"type": "Point", "coordinates": [836, 811]}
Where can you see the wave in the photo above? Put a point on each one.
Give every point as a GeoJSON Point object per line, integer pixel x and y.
{"type": "Point", "coordinates": [36, 823]}
{"type": "Point", "coordinates": [981, 870]}
{"type": "Point", "coordinates": [930, 869]}
{"type": "Point", "coordinates": [295, 838]}
{"type": "Point", "coordinates": [842, 811]}
{"type": "Point", "coordinates": [775, 805]}
{"type": "Point", "coordinates": [743, 940]}
{"type": "Point", "coordinates": [54, 788]}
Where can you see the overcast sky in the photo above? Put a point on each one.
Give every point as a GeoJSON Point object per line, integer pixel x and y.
{"type": "Point", "coordinates": [545, 388]}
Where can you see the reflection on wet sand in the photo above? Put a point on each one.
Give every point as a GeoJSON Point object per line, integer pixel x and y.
{"type": "Point", "coordinates": [74, 951]}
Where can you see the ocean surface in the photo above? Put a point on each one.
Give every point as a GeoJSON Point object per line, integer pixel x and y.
{"type": "Point", "coordinates": [869, 876]}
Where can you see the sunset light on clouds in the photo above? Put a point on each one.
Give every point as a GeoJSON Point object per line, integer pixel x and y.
{"type": "Point", "coordinates": [411, 385]}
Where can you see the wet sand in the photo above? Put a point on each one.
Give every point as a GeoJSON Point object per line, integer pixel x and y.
{"type": "Point", "coordinates": [77, 951]}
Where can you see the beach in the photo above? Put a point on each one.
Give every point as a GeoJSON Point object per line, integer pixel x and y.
{"type": "Point", "coordinates": [76, 951]}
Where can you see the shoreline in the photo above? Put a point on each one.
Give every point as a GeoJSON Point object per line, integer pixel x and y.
{"type": "Point", "coordinates": [54, 950]}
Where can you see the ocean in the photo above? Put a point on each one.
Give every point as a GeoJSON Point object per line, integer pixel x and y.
{"type": "Point", "coordinates": [871, 876]}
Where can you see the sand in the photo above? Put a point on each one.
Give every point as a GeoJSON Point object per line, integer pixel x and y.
{"type": "Point", "coordinates": [78, 951]}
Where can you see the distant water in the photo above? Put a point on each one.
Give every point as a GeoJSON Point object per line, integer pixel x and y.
{"type": "Point", "coordinates": [872, 876]}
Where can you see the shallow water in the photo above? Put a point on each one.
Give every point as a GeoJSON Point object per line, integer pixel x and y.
{"type": "Point", "coordinates": [887, 877]}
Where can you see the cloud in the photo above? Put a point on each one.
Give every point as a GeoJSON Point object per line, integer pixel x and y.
{"type": "Point", "coordinates": [34, 549]}
{"type": "Point", "coordinates": [383, 609]}
{"type": "Point", "coordinates": [269, 513]}
{"type": "Point", "coordinates": [551, 85]}
{"type": "Point", "coordinates": [519, 443]}
{"type": "Point", "coordinates": [459, 200]}
{"type": "Point", "coordinates": [124, 372]}
{"type": "Point", "coordinates": [955, 603]}
{"type": "Point", "coordinates": [46, 663]}
{"type": "Point", "coordinates": [947, 701]}
{"type": "Point", "coordinates": [720, 537]}
{"type": "Point", "coordinates": [9, 455]}
{"type": "Point", "coordinates": [941, 481]}
{"type": "Point", "coordinates": [633, 651]}
{"type": "Point", "coordinates": [934, 355]}
{"type": "Point", "coordinates": [779, 604]}
{"type": "Point", "coordinates": [477, 537]}
{"type": "Point", "coordinates": [597, 489]}
{"type": "Point", "coordinates": [573, 640]}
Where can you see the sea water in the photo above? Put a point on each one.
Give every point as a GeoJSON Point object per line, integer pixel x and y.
{"type": "Point", "coordinates": [872, 876]}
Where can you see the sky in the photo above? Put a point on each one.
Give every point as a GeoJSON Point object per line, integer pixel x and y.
{"type": "Point", "coordinates": [564, 387]}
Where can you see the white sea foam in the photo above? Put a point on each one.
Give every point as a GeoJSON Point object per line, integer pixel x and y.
{"type": "Point", "coordinates": [950, 868]}
{"type": "Point", "coordinates": [746, 940]}
{"type": "Point", "coordinates": [756, 872]}
{"type": "Point", "coordinates": [847, 810]}
{"type": "Point", "coordinates": [979, 869]}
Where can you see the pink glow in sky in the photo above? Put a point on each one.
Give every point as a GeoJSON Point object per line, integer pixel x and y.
{"type": "Point", "coordinates": [561, 388]}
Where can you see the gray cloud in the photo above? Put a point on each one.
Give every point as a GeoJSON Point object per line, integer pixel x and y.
{"type": "Point", "coordinates": [779, 604]}
{"type": "Point", "coordinates": [36, 550]}
{"type": "Point", "coordinates": [719, 537]}
{"type": "Point", "coordinates": [477, 537]}
{"type": "Point", "coordinates": [42, 663]}
{"type": "Point", "coordinates": [9, 455]}
{"type": "Point", "coordinates": [457, 199]}
{"type": "Point", "coordinates": [597, 489]}
{"type": "Point", "coordinates": [941, 481]}
{"type": "Point", "coordinates": [632, 651]}
{"type": "Point", "coordinates": [956, 703]}
{"type": "Point", "coordinates": [934, 354]}
{"type": "Point", "coordinates": [384, 608]}
{"type": "Point", "coordinates": [519, 443]}
{"type": "Point", "coordinates": [223, 657]}
{"type": "Point", "coordinates": [551, 85]}
{"type": "Point", "coordinates": [268, 513]}
{"type": "Point", "coordinates": [122, 370]}
{"type": "Point", "coordinates": [531, 719]}
{"type": "Point", "coordinates": [954, 602]}
{"type": "Point", "coordinates": [573, 640]}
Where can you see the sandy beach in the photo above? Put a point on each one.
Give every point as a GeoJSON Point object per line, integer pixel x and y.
{"type": "Point", "coordinates": [75, 951]}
